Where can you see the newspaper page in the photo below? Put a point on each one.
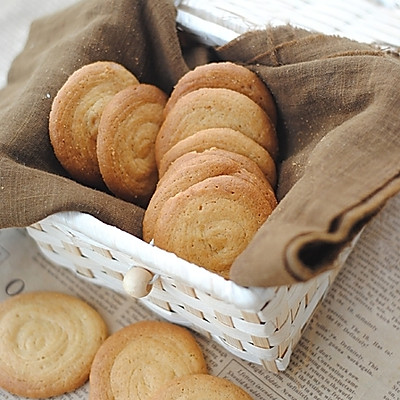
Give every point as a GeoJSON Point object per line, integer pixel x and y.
{"type": "Point", "coordinates": [350, 349]}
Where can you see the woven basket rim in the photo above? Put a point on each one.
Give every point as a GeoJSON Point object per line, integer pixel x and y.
{"type": "Point", "coordinates": [191, 274]}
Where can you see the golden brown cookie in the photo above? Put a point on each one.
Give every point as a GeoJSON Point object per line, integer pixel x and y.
{"type": "Point", "coordinates": [193, 168]}
{"type": "Point", "coordinates": [125, 144]}
{"type": "Point", "coordinates": [200, 387]}
{"type": "Point", "coordinates": [137, 360]}
{"type": "Point", "coordinates": [216, 108]}
{"type": "Point", "coordinates": [229, 76]}
{"type": "Point", "coordinates": [75, 115]}
{"type": "Point", "coordinates": [187, 170]}
{"type": "Point", "coordinates": [226, 139]}
{"type": "Point", "coordinates": [47, 343]}
{"type": "Point", "coordinates": [212, 221]}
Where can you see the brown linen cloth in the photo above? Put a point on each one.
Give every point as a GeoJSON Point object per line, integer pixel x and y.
{"type": "Point", "coordinates": [338, 127]}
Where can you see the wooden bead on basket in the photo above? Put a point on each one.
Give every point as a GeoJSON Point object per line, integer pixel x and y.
{"type": "Point", "coordinates": [137, 282]}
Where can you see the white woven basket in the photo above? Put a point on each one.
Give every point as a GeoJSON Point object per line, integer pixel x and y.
{"type": "Point", "coordinates": [260, 325]}
{"type": "Point", "coordinates": [219, 21]}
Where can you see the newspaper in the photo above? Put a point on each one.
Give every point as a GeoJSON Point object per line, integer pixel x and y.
{"type": "Point", "coordinates": [350, 349]}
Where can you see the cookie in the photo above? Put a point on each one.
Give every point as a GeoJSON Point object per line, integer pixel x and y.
{"type": "Point", "coordinates": [47, 343]}
{"type": "Point", "coordinates": [75, 115]}
{"type": "Point", "coordinates": [137, 360]}
{"type": "Point", "coordinates": [229, 76]}
{"type": "Point", "coordinates": [212, 221]}
{"type": "Point", "coordinates": [187, 170]}
{"type": "Point", "coordinates": [192, 168]}
{"type": "Point", "coordinates": [216, 108]}
{"type": "Point", "coordinates": [201, 386]}
{"type": "Point", "coordinates": [125, 144]}
{"type": "Point", "coordinates": [226, 139]}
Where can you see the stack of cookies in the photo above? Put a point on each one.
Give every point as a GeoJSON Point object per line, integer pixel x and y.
{"type": "Point", "coordinates": [202, 162]}
{"type": "Point", "coordinates": [103, 124]}
{"type": "Point", "coordinates": [216, 156]}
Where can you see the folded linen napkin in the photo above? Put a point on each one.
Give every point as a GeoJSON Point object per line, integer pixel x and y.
{"type": "Point", "coordinates": [338, 127]}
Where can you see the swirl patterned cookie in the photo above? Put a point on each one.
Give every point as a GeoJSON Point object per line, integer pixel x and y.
{"type": "Point", "coordinates": [226, 139]}
{"type": "Point", "coordinates": [192, 168]}
{"type": "Point", "coordinates": [216, 108]}
{"type": "Point", "coordinates": [75, 116]}
{"type": "Point", "coordinates": [201, 386]}
{"type": "Point", "coordinates": [136, 361]}
{"type": "Point", "coordinates": [226, 75]}
{"type": "Point", "coordinates": [212, 221]}
{"type": "Point", "coordinates": [47, 343]}
{"type": "Point", "coordinates": [127, 130]}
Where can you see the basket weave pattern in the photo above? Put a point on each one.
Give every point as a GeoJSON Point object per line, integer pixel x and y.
{"type": "Point", "coordinates": [264, 335]}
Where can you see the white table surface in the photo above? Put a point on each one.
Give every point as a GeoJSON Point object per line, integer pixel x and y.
{"type": "Point", "coordinates": [15, 20]}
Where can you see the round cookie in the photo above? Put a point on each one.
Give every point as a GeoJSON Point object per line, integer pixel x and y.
{"type": "Point", "coordinates": [137, 360]}
{"type": "Point", "coordinates": [187, 170]}
{"type": "Point", "coordinates": [193, 168]}
{"type": "Point", "coordinates": [212, 221]}
{"type": "Point", "coordinates": [216, 108]}
{"type": "Point", "coordinates": [75, 115]}
{"type": "Point", "coordinates": [47, 343]}
{"type": "Point", "coordinates": [125, 144]}
{"type": "Point", "coordinates": [226, 139]}
{"type": "Point", "coordinates": [225, 75]}
{"type": "Point", "coordinates": [200, 387]}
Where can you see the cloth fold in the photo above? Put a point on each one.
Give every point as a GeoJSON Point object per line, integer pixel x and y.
{"type": "Point", "coordinates": [338, 127]}
{"type": "Point", "coordinates": [340, 147]}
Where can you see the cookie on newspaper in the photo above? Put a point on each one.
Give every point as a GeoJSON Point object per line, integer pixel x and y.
{"type": "Point", "coordinates": [125, 144]}
{"type": "Point", "coordinates": [216, 108]}
{"type": "Point", "coordinates": [137, 360]}
{"type": "Point", "coordinates": [201, 386]}
{"type": "Point", "coordinates": [212, 221]}
{"type": "Point", "coordinates": [225, 75]}
{"type": "Point", "coordinates": [226, 139]}
{"type": "Point", "coordinates": [75, 115]}
{"type": "Point", "coordinates": [192, 168]}
{"type": "Point", "coordinates": [47, 343]}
